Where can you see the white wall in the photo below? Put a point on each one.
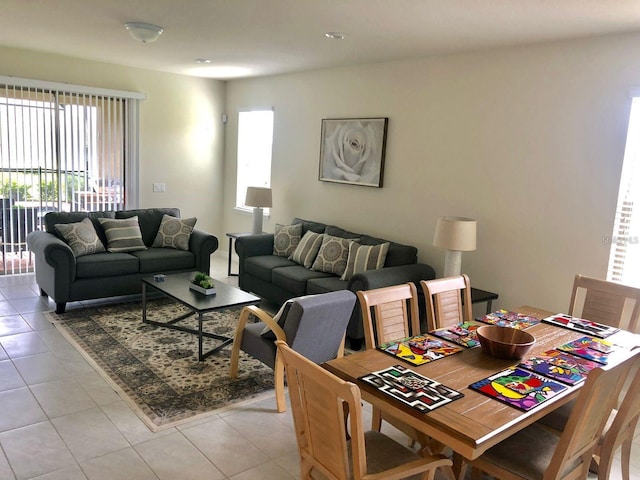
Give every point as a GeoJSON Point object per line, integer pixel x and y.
{"type": "Point", "coordinates": [528, 140]}
{"type": "Point", "coordinates": [181, 135]}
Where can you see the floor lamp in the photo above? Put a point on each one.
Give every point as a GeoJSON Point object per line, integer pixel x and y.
{"type": "Point", "coordinates": [258, 197]}
{"type": "Point", "coordinates": [455, 235]}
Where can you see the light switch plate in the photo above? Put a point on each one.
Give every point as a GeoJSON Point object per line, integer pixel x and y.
{"type": "Point", "coordinates": [159, 187]}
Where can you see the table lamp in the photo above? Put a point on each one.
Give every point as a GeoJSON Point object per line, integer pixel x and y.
{"type": "Point", "coordinates": [258, 197]}
{"type": "Point", "coordinates": [455, 235]}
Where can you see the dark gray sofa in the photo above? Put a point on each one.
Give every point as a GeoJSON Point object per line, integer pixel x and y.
{"type": "Point", "coordinates": [277, 279]}
{"type": "Point", "coordinates": [65, 278]}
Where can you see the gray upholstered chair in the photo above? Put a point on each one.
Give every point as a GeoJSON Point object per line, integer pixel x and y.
{"type": "Point", "coordinates": [314, 326]}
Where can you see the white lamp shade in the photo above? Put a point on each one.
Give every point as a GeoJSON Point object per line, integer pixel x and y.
{"type": "Point", "coordinates": [258, 197]}
{"type": "Point", "coordinates": [455, 233]}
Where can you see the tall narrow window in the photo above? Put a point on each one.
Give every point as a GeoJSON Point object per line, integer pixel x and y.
{"type": "Point", "coordinates": [624, 259]}
{"type": "Point", "coordinates": [255, 142]}
{"type": "Point", "coordinates": [62, 148]}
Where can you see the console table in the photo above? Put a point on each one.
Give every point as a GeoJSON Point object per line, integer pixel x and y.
{"type": "Point", "coordinates": [480, 296]}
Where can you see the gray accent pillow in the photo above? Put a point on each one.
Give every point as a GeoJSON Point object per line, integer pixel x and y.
{"type": "Point", "coordinates": [81, 237]}
{"type": "Point", "coordinates": [333, 255]}
{"type": "Point", "coordinates": [174, 232]}
{"type": "Point", "coordinates": [286, 238]}
{"type": "Point", "coordinates": [123, 235]}
{"type": "Point", "coordinates": [365, 257]}
{"type": "Point", "coordinates": [306, 251]}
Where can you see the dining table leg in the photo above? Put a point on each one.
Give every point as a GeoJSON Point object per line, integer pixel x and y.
{"type": "Point", "coordinates": [459, 466]}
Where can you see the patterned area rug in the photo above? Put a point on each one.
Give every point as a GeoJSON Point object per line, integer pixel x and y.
{"type": "Point", "coordinates": [156, 370]}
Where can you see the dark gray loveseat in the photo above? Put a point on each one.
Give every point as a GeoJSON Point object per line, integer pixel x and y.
{"type": "Point", "coordinates": [65, 277]}
{"type": "Point", "coordinates": [277, 279]}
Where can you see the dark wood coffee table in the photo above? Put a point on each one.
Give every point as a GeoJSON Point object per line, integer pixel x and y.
{"type": "Point", "coordinates": [176, 286]}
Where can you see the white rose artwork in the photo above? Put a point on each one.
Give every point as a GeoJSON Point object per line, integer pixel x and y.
{"type": "Point", "coordinates": [352, 151]}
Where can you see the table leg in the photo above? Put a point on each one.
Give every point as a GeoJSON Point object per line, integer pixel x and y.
{"type": "Point", "coordinates": [459, 466]}
{"type": "Point", "coordinates": [200, 356]}
{"type": "Point", "coordinates": [144, 302]}
{"type": "Point", "coordinates": [489, 310]}
{"type": "Point", "coordinates": [230, 253]}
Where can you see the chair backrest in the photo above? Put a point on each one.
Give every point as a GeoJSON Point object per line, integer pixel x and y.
{"type": "Point", "coordinates": [605, 302]}
{"type": "Point", "coordinates": [589, 415]}
{"type": "Point", "coordinates": [319, 401]}
{"type": "Point", "coordinates": [448, 301]}
{"type": "Point", "coordinates": [626, 419]}
{"type": "Point", "coordinates": [389, 313]}
{"type": "Point", "coordinates": [315, 326]}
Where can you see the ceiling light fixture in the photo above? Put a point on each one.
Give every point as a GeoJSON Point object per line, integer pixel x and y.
{"type": "Point", "coordinates": [202, 61]}
{"type": "Point", "coordinates": [335, 35]}
{"type": "Point", "coordinates": [144, 32]}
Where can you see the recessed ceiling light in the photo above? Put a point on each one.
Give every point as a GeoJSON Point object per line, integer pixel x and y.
{"type": "Point", "coordinates": [335, 35]}
{"type": "Point", "coordinates": [202, 60]}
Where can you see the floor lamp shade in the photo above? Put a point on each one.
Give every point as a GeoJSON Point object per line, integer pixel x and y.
{"type": "Point", "coordinates": [455, 235]}
{"type": "Point", "coordinates": [258, 197]}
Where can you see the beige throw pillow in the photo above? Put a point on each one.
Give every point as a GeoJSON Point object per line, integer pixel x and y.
{"type": "Point", "coordinates": [333, 254]}
{"type": "Point", "coordinates": [81, 237]}
{"type": "Point", "coordinates": [306, 251]}
{"type": "Point", "coordinates": [123, 235]}
{"type": "Point", "coordinates": [174, 232]}
{"type": "Point", "coordinates": [365, 257]}
{"type": "Point", "coordinates": [286, 238]}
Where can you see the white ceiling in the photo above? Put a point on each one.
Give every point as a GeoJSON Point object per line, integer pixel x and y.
{"type": "Point", "coordinates": [260, 37]}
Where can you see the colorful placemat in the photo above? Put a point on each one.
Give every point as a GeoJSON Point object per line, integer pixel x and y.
{"type": "Point", "coordinates": [463, 333]}
{"type": "Point", "coordinates": [560, 366]}
{"type": "Point", "coordinates": [581, 325]}
{"type": "Point", "coordinates": [411, 388]}
{"type": "Point", "coordinates": [419, 349]}
{"type": "Point", "coordinates": [508, 318]}
{"type": "Point", "coordinates": [591, 348]}
{"type": "Point", "coordinates": [519, 388]}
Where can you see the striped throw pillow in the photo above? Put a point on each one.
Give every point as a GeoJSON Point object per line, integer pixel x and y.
{"type": "Point", "coordinates": [306, 251]}
{"type": "Point", "coordinates": [365, 257]}
{"type": "Point", "coordinates": [123, 235]}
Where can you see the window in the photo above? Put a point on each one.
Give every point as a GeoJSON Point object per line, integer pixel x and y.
{"type": "Point", "coordinates": [63, 148]}
{"type": "Point", "coordinates": [255, 142]}
{"type": "Point", "coordinates": [624, 259]}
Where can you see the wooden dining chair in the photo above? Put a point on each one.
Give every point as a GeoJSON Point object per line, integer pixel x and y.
{"type": "Point", "coordinates": [605, 302]}
{"type": "Point", "coordinates": [448, 301]}
{"type": "Point", "coordinates": [390, 313]}
{"type": "Point", "coordinates": [618, 432]}
{"type": "Point", "coordinates": [314, 325]}
{"type": "Point", "coordinates": [537, 453]}
{"type": "Point", "coordinates": [327, 417]}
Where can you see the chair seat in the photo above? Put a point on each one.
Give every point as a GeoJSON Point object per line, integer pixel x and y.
{"type": "Point", "coordinates": [511, 455]}
{"type": "Point", "coordinates": [384, 453]}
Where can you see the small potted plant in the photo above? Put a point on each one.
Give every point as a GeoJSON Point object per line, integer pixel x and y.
{"type": "Point", "coordinates": [202, 283]}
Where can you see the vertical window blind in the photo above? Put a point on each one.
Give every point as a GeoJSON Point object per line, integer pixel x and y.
{"type": "Point", "coordinates": [624, 258]}
{"type": "Point", "coordinates": [63, 148]}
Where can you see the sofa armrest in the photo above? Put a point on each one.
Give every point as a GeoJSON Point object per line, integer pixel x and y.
{"type": "Point", "coordinates": [385, 277]}
{"type": "Point", "coordinates": [202, 245]}
{"type": "Point", "coordinates": [52, 252]}
{"type": "Point", "coordinates": [253, 245]}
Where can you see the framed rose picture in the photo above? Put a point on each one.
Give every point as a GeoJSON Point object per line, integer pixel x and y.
{"type": "Point", "coordinates": [352, 150]}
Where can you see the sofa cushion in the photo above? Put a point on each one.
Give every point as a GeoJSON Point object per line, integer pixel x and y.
{"type": "Point", "coordinates": [325, 284]}
{"type": "Point", "coordinates": [81, 237]}
{"type": "Point", "coordinates": [156, 260]}
{"type": "Point", "coordinates": [307, 225]}
{"type": "Point", "coordinates": [294, 279]}
{"type": "Point", "coordinates": [174, 232]}
{"type": "Point", "coordinates": [286, 238]}
{"type": "Point", "coordinates": [307, 250]}
{"type": "Point", "coordinates": [106, 265]}
{"type": "Point", "coordinates": [149, 220]}
{"type": "Point", "coordinates": [333, 254]}
{"type": "Point", "coordinates": [261, 266]}
{"type": "Point", "coordinates": [364, 257]}
{"type": "Point", "coordinates": [122, 235]}
{"type": "Point", "coordinates": [51, 219]}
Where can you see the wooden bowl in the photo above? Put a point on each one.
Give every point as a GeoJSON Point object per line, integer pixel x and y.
{"type": "Point", "coordinates": [504, 342]}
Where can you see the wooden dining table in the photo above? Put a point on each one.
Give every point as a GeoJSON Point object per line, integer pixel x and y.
{"type": "Point", "coordinates": [474, 423]}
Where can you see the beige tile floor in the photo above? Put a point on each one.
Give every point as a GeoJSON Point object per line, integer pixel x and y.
{"type": "Point", "coordinates": [60, 421]}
